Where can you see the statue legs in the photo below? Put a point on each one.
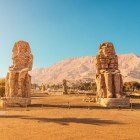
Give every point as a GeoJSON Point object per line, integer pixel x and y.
{"type": "Point", "coordinates": [109, 84]}
{"type": "Point", "coordinates": [118, 85]}
{"type": "Point", "coordinates": [11, 84]}
{"type": "Point", "coordinates": [22, 82]}
{"type": "Point", "coordinates": [101, 90]}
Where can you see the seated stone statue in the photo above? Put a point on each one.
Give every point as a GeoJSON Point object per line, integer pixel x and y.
{"type": "Point", "coordinates": [18, 81]}
{"type": "Point", "coordinates": [108, 78]}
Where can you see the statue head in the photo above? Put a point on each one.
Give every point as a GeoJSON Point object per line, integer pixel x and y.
{"type": "Point", "coordinates": [21, 47]}
{"type": "Point", "coordinates": [22, 57]}
{"type": "Point", "coordinates": [107, 49]}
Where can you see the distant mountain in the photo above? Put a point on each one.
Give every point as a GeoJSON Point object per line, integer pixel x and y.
{"type": "Point", "coordinates": [83, 68]}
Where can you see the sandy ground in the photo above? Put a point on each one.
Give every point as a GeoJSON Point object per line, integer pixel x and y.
{"type": "Point", "coordinates": [52, 118]}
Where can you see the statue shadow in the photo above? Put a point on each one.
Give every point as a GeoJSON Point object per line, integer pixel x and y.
{"type": "Point", "coordinates": [67, 121]}
{"type": "Point", "coordinates": [12, 116]}
{"type": "Point", "coordinates": [134, 97]}
{"type": "Point", "coordinates": [69, 106]}
{"type": "Point", "coordinates": [34, 96]}
{"type": "Point", "coordinates": [135, 105]}
{"type": "Point", "coordinates": [64, 121]}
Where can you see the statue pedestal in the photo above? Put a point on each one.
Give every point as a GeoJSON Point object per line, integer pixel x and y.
{"type": "Point", "coordinates": [14, 102]}
{"type": "Point", "coordinates": [115, 102]}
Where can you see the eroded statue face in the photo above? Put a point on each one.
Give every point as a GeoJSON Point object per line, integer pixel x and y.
{"type": "Point", "coordinates": [23, 48]}
{"type": "Point", "coordinates": [108, 49]}
{"type": "Point", "coordinates": [22, 57]}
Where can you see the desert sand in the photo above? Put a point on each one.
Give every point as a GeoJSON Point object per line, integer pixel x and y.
{"type": "Point", "coordinates": [51, 117]}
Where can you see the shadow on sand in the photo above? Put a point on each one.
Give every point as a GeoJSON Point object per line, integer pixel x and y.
{"type": "Point", "coordinates": [64, 121]}
{"type": "Point", "coordinates": [68, 106]}
{"type": "Point", "coordinates": [135, 105]}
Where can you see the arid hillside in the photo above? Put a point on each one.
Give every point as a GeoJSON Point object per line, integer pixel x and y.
{"type": "Point", "coordinates": [83, 69]}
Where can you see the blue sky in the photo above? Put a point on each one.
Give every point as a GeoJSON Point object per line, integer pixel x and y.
{"type": "Point", "coordinates": [60, 29]}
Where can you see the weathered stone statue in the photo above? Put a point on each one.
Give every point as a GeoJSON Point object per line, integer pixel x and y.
{"type": "Point", "coordinates": [108, 77]}
{"type": "Point", "coordinates": [18, 80]}
{"type": "Point", "coordinates": [65, 88]}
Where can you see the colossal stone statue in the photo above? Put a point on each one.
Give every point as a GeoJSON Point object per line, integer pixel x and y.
{"type": "Point", "coordinates": [18, 80]}
{"type": "Point", "coordinates": [108, 77]}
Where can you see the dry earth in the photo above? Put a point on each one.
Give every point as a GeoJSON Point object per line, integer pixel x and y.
{"type": "Point", "coordinates": [49, 118]}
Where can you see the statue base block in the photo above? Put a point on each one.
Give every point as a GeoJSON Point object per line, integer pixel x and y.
{"type": "Point", "coordinates": [115, 102]}
{"type": "Point", "coordinates": [14, 102]}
